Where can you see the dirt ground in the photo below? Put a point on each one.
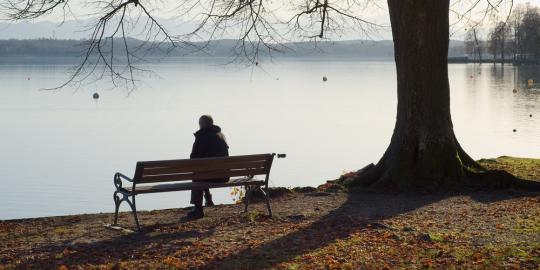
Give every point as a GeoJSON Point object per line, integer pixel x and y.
{"type": "Point", "coordinates": [313, 230]}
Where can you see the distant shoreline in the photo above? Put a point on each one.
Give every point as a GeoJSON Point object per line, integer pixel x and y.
{"type": "Point", "coordinates": [70, 60]}
{"type": "Point", "coordinates": [466, 60]}
{"type": "Point", "coordinates": [73, 60]}
{"type": "Point", "coordinates": [354, 49]}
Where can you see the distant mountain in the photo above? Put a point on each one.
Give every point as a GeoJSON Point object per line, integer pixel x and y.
{"type": "Point", "coordinates": [215, 48]}
{"type": "Point", "coordinates": [73, 29]}
{"type": "Point", "coordinates": [45, 29]}
{"type": "Point", "coordinates": [52, 39]}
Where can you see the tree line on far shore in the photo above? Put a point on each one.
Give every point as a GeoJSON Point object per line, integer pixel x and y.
{"type": "Point", "coordinates": [57, 48]}
{"type": "Point", "coordinates": [516, 38]}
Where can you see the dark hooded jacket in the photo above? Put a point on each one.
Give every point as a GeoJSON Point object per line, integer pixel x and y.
{"type": "Point", "coordinates": [209, 142]}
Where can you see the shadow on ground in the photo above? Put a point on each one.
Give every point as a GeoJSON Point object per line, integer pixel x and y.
{"type": "Point", "coordinates": [360, 211]}
{"type": "Point", "coordinates": [155, 242]}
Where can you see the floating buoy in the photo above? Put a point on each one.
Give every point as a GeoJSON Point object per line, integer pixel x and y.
{"type": "Point", "coordinates": [95, 95]}
{"type": "Point", "coordinates": [530, 82]}
{"type": "Point", "coordinates": [324, 79]}
{"type": "Point", "coordinates": [515, 130]}
{"type": "Point", "coordinates": [515, 91]}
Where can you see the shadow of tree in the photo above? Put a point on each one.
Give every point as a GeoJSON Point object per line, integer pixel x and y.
{"type": "Point", "coordinates": [360, 211]}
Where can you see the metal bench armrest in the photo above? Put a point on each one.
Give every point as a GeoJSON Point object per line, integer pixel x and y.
{"type": "Point", "coordinates": [124, 177]}
{"type": "Point", "coordinates": [118, 180]}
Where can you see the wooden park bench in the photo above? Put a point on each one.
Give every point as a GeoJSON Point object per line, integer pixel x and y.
{"type": "Point", "coordinates": [167, 175]}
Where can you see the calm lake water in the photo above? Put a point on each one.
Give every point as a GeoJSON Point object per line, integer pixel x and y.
{"type": "Point", "coordinates": [60, 149]}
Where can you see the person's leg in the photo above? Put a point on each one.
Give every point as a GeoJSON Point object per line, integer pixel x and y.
{"type": "Point", "coordinates": [208, 198]}
{"type": "Point", "coordinates": [197, 197]}
{"type": "Point", "coordinates": [208, 195]}
{"type": "Point", "coordinates": [197, 200]}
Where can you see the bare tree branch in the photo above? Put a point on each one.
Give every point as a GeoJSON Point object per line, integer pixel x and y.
{"type": "Point", "coordinates": [253, 23]}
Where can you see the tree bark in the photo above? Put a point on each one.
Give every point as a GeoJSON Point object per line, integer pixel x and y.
{"type": "Point", "coordinates": [423, 149]}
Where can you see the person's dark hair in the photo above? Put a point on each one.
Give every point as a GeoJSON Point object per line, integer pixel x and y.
{"type": "Point", "coordinates": [206, 120]}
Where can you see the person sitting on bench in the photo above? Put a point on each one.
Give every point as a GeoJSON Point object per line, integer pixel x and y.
{"type": "Point", "coordinates": [209, 142]}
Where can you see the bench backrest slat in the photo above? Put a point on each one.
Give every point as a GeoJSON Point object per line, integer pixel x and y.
{"type": "Point", "coordinates": [201, 176]}
{"type": "Point", "coordinates": [203, 168]}
{"type": "Point", "coordinates": [182, 168]}
{"type": "Point", "coordinates": [179, 162]}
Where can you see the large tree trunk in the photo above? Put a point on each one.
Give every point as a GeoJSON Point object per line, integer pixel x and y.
{"type": "Point", "coordinates": [423, 150]}
{"type": "Point", "coordinates": [423, 146]}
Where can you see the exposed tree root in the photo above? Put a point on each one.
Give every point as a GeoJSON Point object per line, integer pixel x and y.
{"type": "Point", "coordinates": [380, 177]}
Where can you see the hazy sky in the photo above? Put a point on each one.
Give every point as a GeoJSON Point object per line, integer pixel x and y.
{"type": "Point", "coordinates": [167, 13]}
{"type": "Point", "coordinates": [376, 11]}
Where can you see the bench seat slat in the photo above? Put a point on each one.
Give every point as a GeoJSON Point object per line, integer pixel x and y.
{"type": "Point", "coordinates": [192, 186]}
{"type": "Point", "coordinates": [201, 176]}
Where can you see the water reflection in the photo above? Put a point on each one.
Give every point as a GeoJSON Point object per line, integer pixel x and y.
{"type": "Point", "coordinates": [493, 109]}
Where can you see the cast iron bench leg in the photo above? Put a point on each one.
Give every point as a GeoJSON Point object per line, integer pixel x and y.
{"type": "Point", "coordinates": [134, 210]}
{"type": "Point", "coordinates": [266, 194]}
{"type": "Point", "coordinates": [118, 201]}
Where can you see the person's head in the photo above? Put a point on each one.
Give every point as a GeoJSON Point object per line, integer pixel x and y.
{"type": "Point", "coordinates": [205, 121]}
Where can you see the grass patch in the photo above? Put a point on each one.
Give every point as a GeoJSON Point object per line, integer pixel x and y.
{"type": "Point", "coordinates": [524, 168]}
{"type": "Point", "coordinates": [529, 224]}
{"type": "Point", "coordinates": [437, 237]}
